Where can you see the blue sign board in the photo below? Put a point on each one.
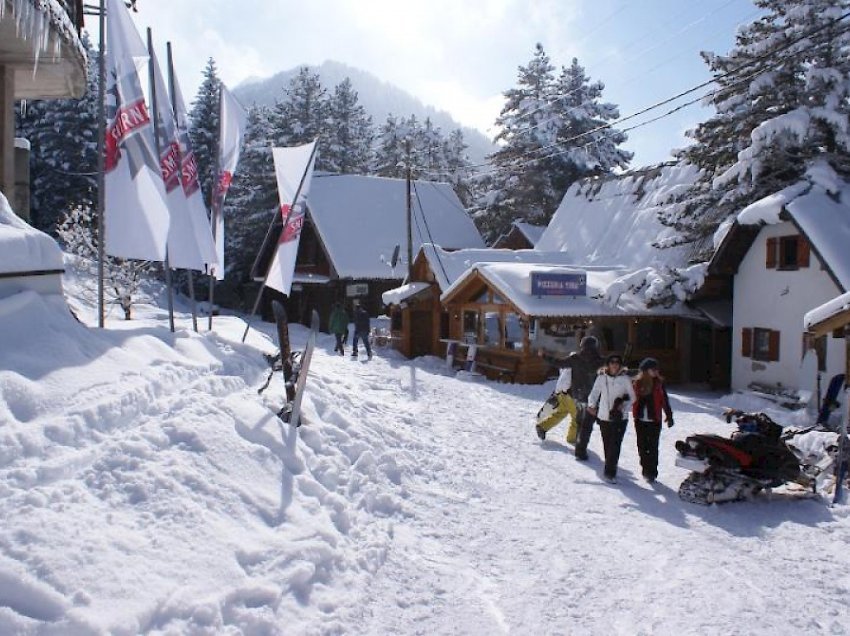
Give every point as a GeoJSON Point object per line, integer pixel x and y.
{"type": "Point", "coordinates": [558, 284]}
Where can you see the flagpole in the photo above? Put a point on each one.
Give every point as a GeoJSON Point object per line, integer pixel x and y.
{"type": "Point", "coordinates": [216, 208]}
{"type": "Point", "coordinates": [174, 110]}
{"type": "Point", "coordinates": [166, 265]}
{"type": "Point", "coordinates": [101, 164]}
{"type": "Point", "coordinates": [285, 221]}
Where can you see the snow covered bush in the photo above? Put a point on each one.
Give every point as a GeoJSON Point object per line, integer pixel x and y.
{"type": "Point", "coordinates": [122, 277]}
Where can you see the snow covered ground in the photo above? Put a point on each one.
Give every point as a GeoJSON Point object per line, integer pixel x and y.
{"type": "Point", "coordinates": [146, 487]}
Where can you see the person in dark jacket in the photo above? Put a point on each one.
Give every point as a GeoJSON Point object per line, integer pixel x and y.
{"type": "Point", "coordinates": [362, 327]}
{"type": "Point", "coordinates": [338, 326]}
{"type": "Point", "coordinates": [650, 404]}
{"type": "Point", "coordinates": [585, 364]}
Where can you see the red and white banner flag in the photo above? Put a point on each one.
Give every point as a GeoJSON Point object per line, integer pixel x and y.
{"type": "Point", "coordinates": [137, 217]}
{"type": "Point", "coordinates": [293, 168]}
{"type": "Point", "coordinates": [233, 121]}
{"type": "Point", "coordinates": [189, 180]}
{"type": "Point", "coordinates": [184, 252]}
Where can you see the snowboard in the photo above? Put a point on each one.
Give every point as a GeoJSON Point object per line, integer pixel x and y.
{"type": "Point", "coordinates": [841, 465]}
{"type": "Point", "coordinates": [291, 412]}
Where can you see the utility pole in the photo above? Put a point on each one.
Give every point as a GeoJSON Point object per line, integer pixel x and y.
{"type": "Point", "coordinates": [408, 172]}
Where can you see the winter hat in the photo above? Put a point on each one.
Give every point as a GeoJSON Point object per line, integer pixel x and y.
{"type": "Point", "coordinates": [648, 363]}
{"type": "Point", "coordinates": [589, 343]}
{"type": "Point", "coordinates": [614, 357]}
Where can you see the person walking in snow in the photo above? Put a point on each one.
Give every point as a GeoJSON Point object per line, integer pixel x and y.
{"type": "Point", "coordinates": [583, 366]}
{"type": "Point", "coordinates": [558, 406]}
{"type": "Point", "coordinates": [338, 326]}
{"type": "Point", "coordinates": [608, 401]}
{"type": "Point", "coordinates": [650, 404]}
{"type": "Point", "coordinates": [362, 326]}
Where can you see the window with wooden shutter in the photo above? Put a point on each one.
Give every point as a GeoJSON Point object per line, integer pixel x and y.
{"type": "Point", "coordinates": [771, 253]}
{"type": "Point", "coordinates": [773, 346]}
{"type": "Point", "coordinates": [803, 252]}
{"type": "Point", "coordinates": [747, 342]}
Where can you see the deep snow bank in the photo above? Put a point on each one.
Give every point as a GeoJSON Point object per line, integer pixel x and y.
{"type": "Point", "coordinates": [144, 486]}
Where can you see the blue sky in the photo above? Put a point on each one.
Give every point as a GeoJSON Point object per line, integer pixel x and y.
{"type": "Point", "coordinates": [459, 55]}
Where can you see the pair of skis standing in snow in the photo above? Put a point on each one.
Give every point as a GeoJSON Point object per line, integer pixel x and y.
{"type": "Point", "coordinates": [593, 389]}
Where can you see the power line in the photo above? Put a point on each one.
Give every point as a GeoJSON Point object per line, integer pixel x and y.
{"type": "Point", "coordinates": [678, 96]}
{"type": "Point", "coordinates": [430, 236]}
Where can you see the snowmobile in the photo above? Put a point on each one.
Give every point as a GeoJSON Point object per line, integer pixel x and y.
{"type": "Point", "coordinates": [759, 456]}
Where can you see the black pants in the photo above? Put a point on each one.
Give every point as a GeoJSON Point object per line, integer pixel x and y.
{"type": "Point", "coordinates": [340, 342]}
{"type": "Point", "coordinates": [365, 338]}
{"type": "Point", "coordinates": [612, 440]}
{"type": "Point", "coordinates": [648, 434]}
{"type": "Point", "coordinates": [586, 421]}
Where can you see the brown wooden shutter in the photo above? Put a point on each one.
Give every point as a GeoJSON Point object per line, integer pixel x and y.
{"type": "Point", "coordinates": [773, 346]}
{"type": "Point", "coordinates": [747, 343]}
{"type": "Point", "coordinates": [803, 251]}
{"type": "Point", "coordinates": [771, 253]}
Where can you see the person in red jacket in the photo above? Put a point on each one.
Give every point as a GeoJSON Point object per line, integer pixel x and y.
{"type": "Point", "coordinates": [651, 404]}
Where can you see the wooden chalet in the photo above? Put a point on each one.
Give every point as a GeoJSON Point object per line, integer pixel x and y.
{"type": "Point", "coordinates": [354, 225]}
{"type": "Point", "coordinates": [832, 319]}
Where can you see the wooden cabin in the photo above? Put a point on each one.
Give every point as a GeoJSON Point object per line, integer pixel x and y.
{"type": "Point", "coordinates": [512, 311]}
{"type": "Point", "coordinates": [831, 320]}
{"type": "Point", "coordinates": [353, 226]}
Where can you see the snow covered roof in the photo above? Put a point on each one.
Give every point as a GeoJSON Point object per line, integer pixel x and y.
{"type": "Point", "coordinates": [399, 294]}
{"type": "Point", "coordinates": [613, 220]}
{"type": "Point", "coordinates": [23, 249]}
{"type": "Point", "coordinates": [529, 231]}
{"type": "Point", "coordinates": [361, 220]}
{"type": "Point", "coordinates": [826, 311]}
{"type": "Point", "coordinates": [513, 281]}
{"type": "Point", "coordinates": [448, 266]}
{"type": "Point", "coordinates": [821, 211]}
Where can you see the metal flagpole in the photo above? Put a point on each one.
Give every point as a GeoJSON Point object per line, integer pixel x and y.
{"type": "Point", "coordinates": [101, 165]}
{"type": "Point", "coordinates": [165, 263]}
{"type": "Point", "coordinates": [285, 221]}
{"type": "Point", "coordinates": [174, 111]}
{"type": "Point", "coordinates": [216, 207]}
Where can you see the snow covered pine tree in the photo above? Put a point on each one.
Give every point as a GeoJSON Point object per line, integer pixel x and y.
{"type": "Point", "coordinates": [204, 130]}
{"type": "Point", "coordinates": [782, 112]}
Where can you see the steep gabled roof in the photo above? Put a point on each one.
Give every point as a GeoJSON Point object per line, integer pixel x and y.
{"type": "Point", "coordinates": [613, 220]}
{"type": "Point", "coordinates": [361, 219]}
{"type": "Point", "coordinates": [823, 218]}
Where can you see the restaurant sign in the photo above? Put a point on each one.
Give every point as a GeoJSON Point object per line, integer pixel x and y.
{"type": "Point", "coordinates": [558, 284]}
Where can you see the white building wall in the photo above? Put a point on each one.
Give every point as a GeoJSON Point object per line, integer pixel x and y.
{"type": "Point", "coordinates": [776, 299]}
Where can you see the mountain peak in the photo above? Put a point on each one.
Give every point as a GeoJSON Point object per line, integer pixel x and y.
{"type": "Point", "coordinates": [379, 97]}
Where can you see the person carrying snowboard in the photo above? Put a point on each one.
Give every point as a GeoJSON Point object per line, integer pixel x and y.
{"type": "Point", "coordinates": [652, 402]}
{"type": "Point", "coordinates": [607, 401]}
{"type": "Point", "coordinates": [362, 326]}
{"type": "Point", "coordinates": [583, 366]}
{"type": "Point", "coordinates": [338, 326]}
{"type": "Point", "coordinates": [558, 406]}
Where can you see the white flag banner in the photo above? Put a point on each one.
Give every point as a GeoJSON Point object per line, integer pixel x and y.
{"type": "Point", "coordinates": [189, 179]}
{"type": "Point", "coordinates": [183, 249]}
{"type": "Point", "coordinates": [291, 165]}
{"type": "Point", "coordinates": [233, 120]}
{"type": "Point", "coordinates": [136, 214]}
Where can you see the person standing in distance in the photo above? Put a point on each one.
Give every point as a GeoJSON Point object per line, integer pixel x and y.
{"type": "Point", "coordinates": [362, 326]}
{"type": "Point", "coordinates": [584, 365]}
{"type": "Point", "coordinates": [338, 326]}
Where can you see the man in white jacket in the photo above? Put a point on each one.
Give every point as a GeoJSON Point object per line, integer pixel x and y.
{"type": "Point", "coordinates": [608, 402]}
